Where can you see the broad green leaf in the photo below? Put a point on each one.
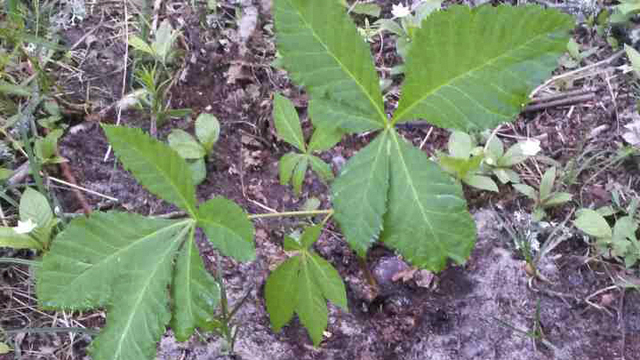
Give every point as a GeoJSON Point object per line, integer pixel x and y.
{"type": "Point", "coordinates": [557, 199]}
{"type": "Point", "coordinates": [185, 145]}
{"type": "Point", "coordinates": [281, 292]}
{"type": "Point", "coordinates": [195, 293]}
{"type": "Point", "coordinates": [427, 220]}
{"type": "Point", "coordinates": [9, 238]}
{"type": "Point", "coordinates": [310, 235]}
{"type": "Point", "coordinates": [527, 191]}
{"type": "Point", "coordinates": [35, 206]}
{"type": "Point", "coordinates": [46, 147]}
{"type": "Point", "coordinates": [460, 168]}
{"type": "Point", "coordinates": [156, 166]}
{"type": "Point", "coordinates": [121, 261]}
{"type": "Point", "coordinates": [359, 194]}
{"type": "Point", "coordinates": [324, 139]}
{"type": "Point", "coordinates": [366, 9]}
{"type": "Point", "coordinates": [163, 41]}
{"type": "Point", "coordinates": [4, 348]}
{"type": "Point", "coordinates": [288, 163]}
{"type": "Point", "coordinates": [474, 68]}
{"type": "Point", "coordinates": [312, 306]}
{"type": "Point", "coordinates": [298, 174]}
{"type": "Point", "coordinates": [11, 89]}
{"type": "Point", "coordinates": [460, 145]}
{"type": "Point", "coordinates": [302, 284]}
{"type": "Point", "coordinates": [481, 182]}
{"type": "Point", "coordinates": [322, 51]}
{"type": "Point", "coordinates": [139, 44]}
{"type": "Point", "coordinates": [495, 147]}
{"type": "Point", "coordinates": [546, 183]}
{"type": "Point", "coordinates": [592, 224]}
{"type": "Point", "coordinates": [227, 228]}
{"type": "Point", "coordinates": [198, 170]}
{"type": "Point", "coordinates": [5, 173]}
{"type": "Point", "coordinates": [329, 281]}
{"type": "Point", "coordinates": [207, 130]}
{"type": "Point", "coordinates": [321, 168]}
{"type": "Point", "coordinates": [625, 228]}
{"type": "Point", "coordinates": [287, 122]}
{"type": "Point", "coordinates": [634, 58]}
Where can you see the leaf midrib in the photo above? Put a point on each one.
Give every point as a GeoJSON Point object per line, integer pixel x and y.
{"type": "Point", "coordinates": [188, 203]}
{"type": "Point", "coordinates": [141, 294]}
{"type": "Point", "coordinates": [342, 66]}
{"type": "Point", "coordinates": [128, 247]}
{"type": "Point", "coordinates": [416, 196]}
{"type": "Point", "coordinates": [399, 116]}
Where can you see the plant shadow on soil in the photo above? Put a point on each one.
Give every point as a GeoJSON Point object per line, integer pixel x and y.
{"type": "Point", "coordinates": [468, 312]}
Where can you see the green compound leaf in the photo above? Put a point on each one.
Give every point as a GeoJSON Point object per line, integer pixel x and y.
{"type": "Point", "coordinates": [359, 194]}
{"type": "Point", "coordinates": [473, 69]}
{"type": "Point", "coordinates": [303, 284]}
{"type": "Point", "coordinates": [322, 51]}
{"type": "Point", "coordinates": [227, 228]}
{"type": "Point", "coordinates": [195, 293]}
{"type": "Point", "coordinates": [427, 220]}
{"type": "Point", "coordinates": [127, 271]}
{"type": "Point", "coordinates": [287, 122]}
{"type": "Point", "coordinates": [156, 166]}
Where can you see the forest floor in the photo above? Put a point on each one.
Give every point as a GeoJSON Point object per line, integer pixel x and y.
{"type": "Point", "coordinates": [587, 307]}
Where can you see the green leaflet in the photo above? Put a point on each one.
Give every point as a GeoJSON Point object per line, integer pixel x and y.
{"type": "Point", "coordinates": [195, 293]}
{"type": "Point", "coordinates": [474, 68]}
{"type": "Point", "coordinates": [287, 122]}
{"type": "Point", "coordinates": [91, 265]}
{"type": "Point", "coordinates": [302, 284]}
{"type": "Point", "coordinates": [281, 292]}
{"type": "Point", "coordinates": [322, 51]}
{"type": "Point", "coordinates": [227, 228]}
{"type": "Point", "coordinates": [360, 194]}
{"type": "Point", "coordinates": [160, 169]}
{"type": "Point", "coordinates": [427, 219]}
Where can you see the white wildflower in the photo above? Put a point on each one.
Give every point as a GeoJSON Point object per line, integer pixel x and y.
{"type": "Point", "coordinates": [132, 99]}
{"type": "Point", "coordinates": [25, 227]}
{"type": "Point", "coordinates": [399, 10]}
{"type": "Point", "coordinates": [530, 147]}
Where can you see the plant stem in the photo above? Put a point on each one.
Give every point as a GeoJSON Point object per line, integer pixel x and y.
{"type": "Point", "coordinates": [292, 213]}
{"type": "Point", "coordinates": [367, 273]}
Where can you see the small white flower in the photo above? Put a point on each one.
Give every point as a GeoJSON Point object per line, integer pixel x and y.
{"type": "Point", "coordinates": [399, 10]}
{"type": "Point", "coordinates": [530, 147]}
{"type": "Point", "coordinates": [25, 227]}
{"type": "Point", "coordinates": [489, 161]}
{"type": "Point", "coordinates": [132, 99]}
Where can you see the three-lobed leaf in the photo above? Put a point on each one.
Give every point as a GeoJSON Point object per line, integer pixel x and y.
{"type": "Point", "coordinates": [157, 167]}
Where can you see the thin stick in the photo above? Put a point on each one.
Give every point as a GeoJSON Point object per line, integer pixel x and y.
{"type": "Point", "coordinates": [606, 61]}
{"type": "Point", "coordinates": [83, 189]}
{"type": "Point", "coordinates": [561, 102]}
